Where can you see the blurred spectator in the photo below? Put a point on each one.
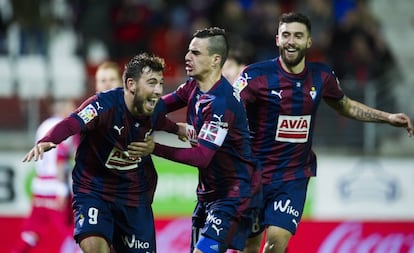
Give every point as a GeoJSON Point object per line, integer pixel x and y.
{"type": "Point", "coordinates": [107, 76]}
{"type": "Point", "coordinates": [94, 24]}
{"type": "Point", "coordinates": [320, 12]}
{"type": "Point", "coordinates": [263, 19]}
{"type": "Point", "coordinates": [5, 19]}
{"type": "Point", "coordinates": [240, 55]}
{"type": "Point", "coordinates": [230, 16]}
{"type": "Point", "coordinates": [32, 18]}
{"type": "Point", "coordinates": [358, 51]}
{"type": "Point", "coordinates": [131, 21]}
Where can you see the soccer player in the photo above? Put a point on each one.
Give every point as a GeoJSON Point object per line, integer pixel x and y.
{"type": "Point", "coordinates": [113, 185]}
{"type": "Point", "coordinates": [50, 186]}
{"type": "Point", "coordinates": [239, 57]}
{"type": "Point", "coordinates": [107, 76]}
{"type": "Point", "coordinates": [282, 96]}
{"type": "Point", "coordinates": [218, 132]}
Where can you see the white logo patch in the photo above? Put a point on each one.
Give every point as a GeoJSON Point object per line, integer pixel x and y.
{"type": "Point", "coordinates": [120, 160]}
{"type": "Point", "coordinates": [294, 129]}
{"type": "Point", "coordinates": [88, 113]}
{"type": "Point", "coordinates": [214, 132]}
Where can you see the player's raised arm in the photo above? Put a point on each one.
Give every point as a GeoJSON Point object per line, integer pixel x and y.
{"type": "Point", "coordinates": [37, 151]}
{"type": "Point", "coordinates": [361, 112]}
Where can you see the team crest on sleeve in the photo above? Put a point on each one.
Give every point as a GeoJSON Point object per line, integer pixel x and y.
{"type": "Point", "coordinates": [88, 113]}
{"type": "Point", "coordinates": [214, 132]}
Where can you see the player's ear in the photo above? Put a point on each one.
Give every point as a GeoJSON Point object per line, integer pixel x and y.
{"type": "Point", "coordinates": [216, 60]}
{"type": "Point", "coordinates": [309, 43]}
{"type": "Point", "coordinates": [131, 85]}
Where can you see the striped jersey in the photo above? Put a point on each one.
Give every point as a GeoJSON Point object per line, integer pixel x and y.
{"type": "Point", "coordinates": [102, 166]}
{"type": "Point", "coordinates": [281, 109]}
{"type": "Point", "coordinates": [217, 127]}
{"type": "Point", "coordinates": [47, 181]}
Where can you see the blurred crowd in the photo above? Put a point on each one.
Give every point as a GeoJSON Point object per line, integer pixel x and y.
{"type": "Point", "coordinates": [346, 34]}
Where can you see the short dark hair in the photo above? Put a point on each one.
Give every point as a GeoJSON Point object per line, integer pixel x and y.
{"type": "Point", "coordinates": [134, 67]}
{"type": "Point", "coordinates": [218, 43]}
{"type": "Point", "coordinates": [295, 17]}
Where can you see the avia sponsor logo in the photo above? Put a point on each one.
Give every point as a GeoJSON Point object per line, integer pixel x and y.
{"type": "Point", "coordinates": [120, 160]}
{"type": "Point", "coordinates": [285, 207]}
{"type": "Point", "coordinates": [294, 129]}
{"type": "Point", "coordinates": [134, 243]}
{"type": "Point", "coordinates": [351, 237]}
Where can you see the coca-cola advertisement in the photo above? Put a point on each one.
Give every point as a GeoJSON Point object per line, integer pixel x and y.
{"type": "Point", "coordinates": [353, 237]}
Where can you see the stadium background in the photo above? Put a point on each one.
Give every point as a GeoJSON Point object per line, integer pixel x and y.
{"type": "Point", "coordinates": [361, 200]}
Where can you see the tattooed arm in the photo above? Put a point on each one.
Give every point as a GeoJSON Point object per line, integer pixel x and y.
{"type": "Point", "coordinates": [361, 112]}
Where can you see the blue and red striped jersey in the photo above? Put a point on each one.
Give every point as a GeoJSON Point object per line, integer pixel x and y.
{"type": "Point", "coordinates": [102, 166]}
{"type": "Point", "coordinates": [281, 109]}
{"type": "Point", "coordinates": [218, 131]}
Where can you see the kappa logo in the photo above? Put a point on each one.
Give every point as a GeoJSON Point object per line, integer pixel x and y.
{"type": "Point", "coordinates": [217, 229]}
{"type": "Point", "coordinates": [119, 129]}
{"type": "Point", "coordinates": [279, 94]}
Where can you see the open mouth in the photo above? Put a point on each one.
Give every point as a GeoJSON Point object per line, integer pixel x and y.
{"type": "Point", "coordinates": [291, 51]}
{"type": "Point", "coordinates": [151, 102]}
{"type": "Point", "coordinates": [188, 68]}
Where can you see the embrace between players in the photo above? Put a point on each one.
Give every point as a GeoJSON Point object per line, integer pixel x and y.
{"type": "Point", "coordinates": [247, 156]}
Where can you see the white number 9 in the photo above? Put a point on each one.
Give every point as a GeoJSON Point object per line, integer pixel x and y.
{"type": "Point", "coordinates": [93, 215]}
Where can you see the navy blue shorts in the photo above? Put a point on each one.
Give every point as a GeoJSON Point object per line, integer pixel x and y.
{"type": "Point", "coordinates": [284, 203]}
{"type": "Point", "coordinates": [128, 229]}
{"type": "Point", "coordinates": [223, 222]}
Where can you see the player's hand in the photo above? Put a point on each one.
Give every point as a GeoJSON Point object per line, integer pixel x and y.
{"type": "Point", "coordinates": [37, 151]}
{"type": "Point", "coordinates": [402, 120]}
{"type": "Point", "coordinates": [139, 149]}
{"type": "Point", "coordinates": [182, 132]}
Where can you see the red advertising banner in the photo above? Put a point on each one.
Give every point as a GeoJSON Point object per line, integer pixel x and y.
{"type": "Point", "coordinates": [353, 237]}
{"type": "Point", "coordinates": [173, 236]}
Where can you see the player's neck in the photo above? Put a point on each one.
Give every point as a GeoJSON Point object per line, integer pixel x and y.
{"type": "Point", "coordinates": [206, 82]}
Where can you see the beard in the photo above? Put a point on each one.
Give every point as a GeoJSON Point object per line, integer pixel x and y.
{"type": "Point", "coordinates": [292, 62]}
{"type": "Point", "coordinates": [139, 105]}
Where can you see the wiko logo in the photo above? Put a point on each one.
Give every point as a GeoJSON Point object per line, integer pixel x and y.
{"type": "Point", "coordinates": [285, 208]}
{"type": "Point", "coordinates": [134, 243]}
{"type": "Point", "coordinates": [213, 219]}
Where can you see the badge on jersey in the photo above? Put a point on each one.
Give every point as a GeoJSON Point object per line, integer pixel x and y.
{"type": "Point", "coordinates": [214, 132]}
{"type": "Point", "coordinates": [294, 129]}
{"type": "Point", "coordinates": [88, 113]}
{"type": "Point", "coordinates": [120, 160]}
{"type": "Point", "coordinates": [241, 82]}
